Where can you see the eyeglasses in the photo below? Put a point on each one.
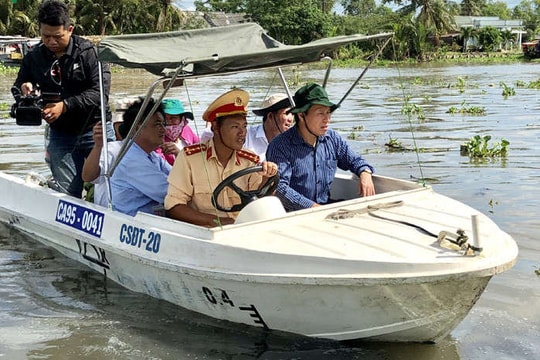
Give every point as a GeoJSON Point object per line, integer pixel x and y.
{"type": "Point", "coordinates": [156, 124]}
{"type": "Point", "coordinates": [56, 73]}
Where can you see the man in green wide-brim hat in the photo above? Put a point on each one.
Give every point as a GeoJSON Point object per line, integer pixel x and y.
{"type": "Point", "coordinates": [309, 153]}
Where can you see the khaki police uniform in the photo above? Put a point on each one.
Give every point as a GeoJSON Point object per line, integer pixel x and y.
{"type": "Point", "coordinates": [197, 172]}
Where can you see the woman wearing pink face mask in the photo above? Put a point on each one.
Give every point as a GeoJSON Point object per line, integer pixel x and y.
{"type": "Point", "coordinates": [178, 134]}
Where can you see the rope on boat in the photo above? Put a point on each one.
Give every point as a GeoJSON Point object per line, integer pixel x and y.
{"type": "Point", "coordinates": [373, 208]}
{"type": "Point", "coordinates": [459, 238]}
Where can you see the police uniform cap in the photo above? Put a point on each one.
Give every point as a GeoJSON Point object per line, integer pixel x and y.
{"type": "Point", "coordinates": [231, 103]}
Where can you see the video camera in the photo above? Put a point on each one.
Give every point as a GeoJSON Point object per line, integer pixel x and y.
{"type": "Point", "coordinates": [27, 109]}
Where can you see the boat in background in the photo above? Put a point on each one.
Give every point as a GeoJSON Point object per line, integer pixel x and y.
{"type": "Point", "coordinates": [13, 49]}
{"type": "Point", "coordinates": [406, 264]}
{"type": "Point", "coordinates": [531, 49]}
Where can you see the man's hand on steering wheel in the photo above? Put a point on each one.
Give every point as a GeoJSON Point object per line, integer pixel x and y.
{"type": "Point", "coordinates": [269, 169]}
{"type": "Point", "coordinates": [269, 184]}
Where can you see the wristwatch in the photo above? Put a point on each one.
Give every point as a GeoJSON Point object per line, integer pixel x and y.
{"type": "Point", "coordinates": [366, 170]}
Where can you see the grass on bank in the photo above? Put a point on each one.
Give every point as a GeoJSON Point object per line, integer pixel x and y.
{"type": "Point", "coordinates": [451, 58]}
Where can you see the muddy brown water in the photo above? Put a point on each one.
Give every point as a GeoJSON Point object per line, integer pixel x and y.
{"type": "Point", "coordinates": [54, 308]}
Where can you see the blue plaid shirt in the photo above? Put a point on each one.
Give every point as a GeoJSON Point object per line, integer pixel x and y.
{"type": "Point", "coordinates": [306, 172]}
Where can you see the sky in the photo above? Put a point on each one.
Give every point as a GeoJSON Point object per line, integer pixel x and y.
{"type": "Point", "coordinates": [188, 4]}
{"type": "Point", "coordinates": [184, 5]}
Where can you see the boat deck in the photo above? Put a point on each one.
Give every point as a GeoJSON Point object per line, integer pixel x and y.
{"type": "Point", "coordinates": [391, 234]}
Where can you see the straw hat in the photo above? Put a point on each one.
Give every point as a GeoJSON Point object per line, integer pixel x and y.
{"type": "Point", "coordinates": [273, 103]}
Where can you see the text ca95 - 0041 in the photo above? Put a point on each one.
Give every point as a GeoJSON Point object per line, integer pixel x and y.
{"type": "Point", "coordinates": [80, 218]}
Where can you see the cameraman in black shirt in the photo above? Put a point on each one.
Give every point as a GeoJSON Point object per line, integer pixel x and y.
{"type": "Point", "coordinates": [66, 64]}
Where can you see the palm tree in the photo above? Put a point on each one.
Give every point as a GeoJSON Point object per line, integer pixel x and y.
{"type": "Point", "coordinates": [21, 24]}
{"type": "Point", "coordinates": [410, 39]}
{"type": "Point", "coordinates": [433, 14]}
{"type": "Point", "coordinates": [19, 18]}
{"type": "Point", "coordinates": [169, 16]}
{"type": "Point", "coordinates": [489, 38]}
{"type": "Point", "coordinates": [472, 7]}
{"type": "Point", "coordinates": [5, 10]}
{"type": "Point", "coordinates": [400, 40]}
{"type": "Point", "coordinates": [507, 38]}
{"type": "Point", "coordinates": [468, 33]}
{"type": "Point", "coordinates": [93, 17]}
{"type": "Point", "coordinates": [420, 40]}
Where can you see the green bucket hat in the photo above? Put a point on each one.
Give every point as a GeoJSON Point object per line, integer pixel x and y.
{"type": "Point", "coordinates": [311, 94]}
{"type": "Point", "coordinates": [175, 107]}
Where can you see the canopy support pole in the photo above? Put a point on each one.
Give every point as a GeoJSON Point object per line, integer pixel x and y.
{"type": "Point", "coordinates": [327, 74]}
{"type": "Point", "coordinates": [373, 58]}
{"type": "Point", "coordinates": [286, 86]}
{"type": "Point", "coordinates": [105, 149]}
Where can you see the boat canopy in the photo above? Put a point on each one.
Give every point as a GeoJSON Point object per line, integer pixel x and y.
{"type": "Point", "coordinates": [220, 50]}
{"type": "Point", "coordinates": [212, 51]}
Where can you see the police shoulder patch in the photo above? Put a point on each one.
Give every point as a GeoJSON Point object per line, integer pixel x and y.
{"type": "Point", "coordinates": [194, 149]}
{"type": "Point", "coordinates": [249, 155]}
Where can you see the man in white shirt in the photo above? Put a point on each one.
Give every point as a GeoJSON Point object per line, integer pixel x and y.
{"type": "Point", "coordinates": [276, 120]}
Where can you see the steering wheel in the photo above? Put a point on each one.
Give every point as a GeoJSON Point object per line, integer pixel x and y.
{"type": "Point", "coordinates": [246, 196]}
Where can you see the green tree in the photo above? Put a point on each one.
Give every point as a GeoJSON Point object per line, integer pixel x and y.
{"type": "Point", "coordinates": [467, 34]}
{"type": "Point", "coordinates": [99, 17]}
{"type": "Point", "coordinates": [289, 21]}
{"type": "Point", "coordinates": [489, 38]}
{"type": "Point", "coordinates": [405, 43]}
{"type": "Point", "coordinates": [96, 17]}
{"type": "Point", "coordinates": [326, 6]}
{"type": "Point", "coordinates": [472, 7]}
{"type": "Point", "coordinates": [507, 38]}
{"type": "Point", "coordinates": [362, 8]}
{"type": "Point", "coordinates": [434, 15]}
{"type": "Point", "coordinates": [529, 12]}
{"type": "Point", "coordinates": [169, 17]}
{"type": "Point", "coordinates": [379, 19]}
{"type": "Point", "coordinates": [497, 8]}
{"type": "Point", "coordinates": [228, 6]}
{"type": "Point", "coordinates": [19, 18]}
{"type": "Point", "coordinates": [21, 24]}
{"type": "Point", "coordinates": [5, 10]}
{"type": "Point", "coordinates": [420, 37]}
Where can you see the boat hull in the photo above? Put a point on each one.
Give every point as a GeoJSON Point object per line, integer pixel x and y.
{"type": "Point", "coordinates": [423, 310]}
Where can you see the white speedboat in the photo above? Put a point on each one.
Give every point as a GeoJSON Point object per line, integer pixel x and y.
{"type": "Point", "coordinates": [406, 264]}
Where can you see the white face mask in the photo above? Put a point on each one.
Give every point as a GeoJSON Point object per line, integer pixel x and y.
{"type": "Point", "coordinates": [173, 132]}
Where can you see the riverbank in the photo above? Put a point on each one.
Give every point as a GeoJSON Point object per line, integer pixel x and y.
{"type": "Point", "coordinates": [442, 58]}
{"type": "Point", "coordinates": [448, 57]}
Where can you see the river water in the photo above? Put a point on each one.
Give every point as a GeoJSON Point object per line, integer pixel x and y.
{"type": "Point", "coordinates": [54, 308]}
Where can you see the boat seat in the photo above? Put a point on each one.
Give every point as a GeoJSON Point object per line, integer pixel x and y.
{"type": "Point", "coordinates": [268, 207]}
